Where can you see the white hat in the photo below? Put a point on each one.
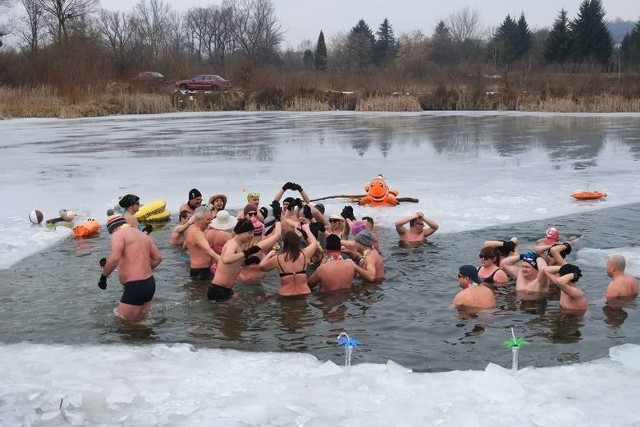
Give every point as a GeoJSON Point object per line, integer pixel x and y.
{"type": "Point", "coordinates": [223, 221]}
{"type": "Point", "coordinates": [337, 217]}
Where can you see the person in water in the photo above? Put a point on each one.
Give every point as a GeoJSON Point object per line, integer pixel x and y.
{"type": "Point", "coordinates": [194, 200]}
{"type": "Point", "coordinates": [367, 260]}
{"type": "Point", "coordinates": [219, 203]}
{"type": "Point", "coordinates": [530, 275]}
{"type": "Point", "coordinates": [201, 255]}
{"type": "Point", "coordinates": [420, 227]}
{"type": "Point", "coordinates": [335, 273]}
{"type": "Point", "coordinates": [489, 271]}
{"type": "Point", "coordinates": [622, 285]}
{"type": "Point", "coordinates": [135, 255]}
{"type": "Point", "coordinates": [178, 234]}
{"type": "Point", "coordinates": [474, 293]}
{"type": "Point", "coordinates": [572, 298]}
{"type": "Point", "coordinates": [233, 257]}
{"type": "Point", "coordinates": [292, 262]}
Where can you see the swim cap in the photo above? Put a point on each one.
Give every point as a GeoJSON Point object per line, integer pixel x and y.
{"type": "Point", "coordinates": [357, 227]}
{"type": "Point", "coordinates": [570, 268]}
{"type": "Point", "coordinates": [333, 243]}
{"type": "Point", "coordinates": [258, 227]}
{"type": "Point", "coordinates": [531, 258]}
{"type": "Point", "coordinates": [129, 200]}
{"type": "Point", "coordinates": [194, 194]}
{"type": "Point", "coordinates": [365, 238]}
{"type": "Point", "coordinates": [243, 226]}
{"type": "Point", "coordinates": [552, 233]}
{"type": "Point", "coordinates": [115, 221]}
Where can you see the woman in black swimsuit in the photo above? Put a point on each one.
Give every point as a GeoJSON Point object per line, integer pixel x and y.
{"type": "Point", "coordinates": [292, 262]}
{"type": "Point", "coordinates": [489, 271]}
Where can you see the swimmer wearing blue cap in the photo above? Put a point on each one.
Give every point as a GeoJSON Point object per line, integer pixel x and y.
{"type": "Point", "coordinates": [529, 273]}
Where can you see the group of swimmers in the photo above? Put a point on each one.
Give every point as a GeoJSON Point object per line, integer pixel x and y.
{"type": "Point", "coordinates": [309, 248]}
{"type": "Point", "coordinates": [535, 271]}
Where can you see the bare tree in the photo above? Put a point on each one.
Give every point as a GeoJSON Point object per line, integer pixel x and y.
{"type": "Point", "coordinates": [65, 15]}
{"type": "Point", "coordinates": [465, 25]}
{"type": "Point", "coordinates": [118, 34]}
{"type": "Point", "coordinates": [4, 4]}
{"type": "Point", "coordinates": [209, 33]}
{"type": "Point", "coordinates": [152, 18]}
{"type": "Point", "coordinates": [256, 29]}
{"type": "Point", "coordinates": [32, 25]}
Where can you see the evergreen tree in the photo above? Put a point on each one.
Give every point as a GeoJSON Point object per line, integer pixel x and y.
{"type": "Point", "coordinates": [630, 49]}
{"type": "Point", "coordinates": [360, 46]}
{"type": "Point", "coordinates": [556, 47]}
{"type": "Point", "coordinates": [385, 47]}
{"type": "Point", "coordinates": [320, 59]}
{"type": "Point", "coordinates": [307, 59]}
{"type": "Point", "coordinates": [590, 36]}
{"type": "Point", "coordinates": [503, 42]}
{"type": "Point", "coordinates": [442, 51]}
{"type": "Point", "coordinates": [523, 38]}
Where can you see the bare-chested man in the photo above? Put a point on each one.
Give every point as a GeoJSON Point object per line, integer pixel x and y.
{"type": "Point", "coordinates": [335, 273]}
{"type": "Point", "coordinates": [530, 277]}
{"type": "Point", "coordinates": [622, 285]}
{"type": "Point", "coordinates": [473, 294]}
{"type": "Point", "coordinates": [135, 255]}
{"type": "Point", "coordinates": [200, 252]}
{"type": "Point", "coordinates": [233, 256]}
{"type": "Point", "coordinates": [417, 232]}
{"type": "Point", "coordinates": [178, 234]}
{"type": "Point", "coordinates": [195, 200]}
{"type": "Point", "coordinates": [572, 298]}
{"type": "Point", "coordinates": [368, 261]}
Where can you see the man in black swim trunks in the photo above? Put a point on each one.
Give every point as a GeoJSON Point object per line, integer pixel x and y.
{"type": "Point", "coordinates": [136, 256]}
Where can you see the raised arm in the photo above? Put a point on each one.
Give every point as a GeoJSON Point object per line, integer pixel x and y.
{"type": "Point", "coordinates": [510, 265]}
{"type": "Point", "coordinates": [400, 228]}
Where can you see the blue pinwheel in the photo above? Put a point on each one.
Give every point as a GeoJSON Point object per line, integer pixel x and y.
{"type": "Point", "coordinates": [347, 341]}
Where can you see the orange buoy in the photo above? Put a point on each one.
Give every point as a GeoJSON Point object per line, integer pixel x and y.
{"type": "Point", "coordinates": [86, 228]}
{"type": "Point", "coordinates": [588, 195]}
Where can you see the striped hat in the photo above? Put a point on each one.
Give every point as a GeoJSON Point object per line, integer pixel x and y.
{"type": "Point", "coordinates": [115, 221]}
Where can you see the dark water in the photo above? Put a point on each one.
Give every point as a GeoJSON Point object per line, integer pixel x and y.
{"type": "Point", "coordinates": [52, 297]}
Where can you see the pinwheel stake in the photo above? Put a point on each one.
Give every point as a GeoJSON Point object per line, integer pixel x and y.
{"type": "Point", "coordinates": [349, 344]}
{"type": "Point", "coordinates": [514, 344]}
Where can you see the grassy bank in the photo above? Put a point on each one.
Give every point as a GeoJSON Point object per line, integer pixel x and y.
{"type": "Point", "coordinates": [542, 93]}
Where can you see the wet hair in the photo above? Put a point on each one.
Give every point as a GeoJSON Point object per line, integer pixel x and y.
{"type": "Point", "coordinates": [414, 221]}
{"type": "Point", "coordinates": [489, 252]}
{"type": "Point", "coordinates": [183, 214]}
{"type": "Point", "coordinates": [291, 246]}
{"type": "Point", "coordinates": [368, 219]}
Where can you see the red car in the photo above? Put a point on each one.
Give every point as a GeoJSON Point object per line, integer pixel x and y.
{"type": "Point", "coordinates": [204, 81]}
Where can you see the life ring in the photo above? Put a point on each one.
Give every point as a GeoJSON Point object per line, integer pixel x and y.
{"type": "Point", "coordinates": [588, 195]}
{"type": "Point", "coordinates": [86, 228]}
{"type": "Point", "coordinates": [151, 209]}
{"type": "Point", "coordinates": [161, 216]}
{"type": "Point", "coordinates": [378, 193]}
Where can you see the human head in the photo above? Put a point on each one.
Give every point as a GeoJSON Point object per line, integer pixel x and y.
{"type": "Point", "coordinates": [552, 234]}
{"type": "Point", "coordinates": [244, 230]}
{"type": "Point", "coordinates": [184, 216]}
{"type": "Point", "coordinates": [336, 222]}
{"type": "Point", "coordinates": [333, 243]}
{"type": "Point", "coordinates": [223, 221]}
{"type": "Point", "coordinates": [219, 201]}
{"type": "Point", "coordinates": [416, 222]}
{"type": "Point", "coordinates": [570, 268]}
{"type": "Point", "coordinates": [253, 199]}
{"type": "Point", "coordinates": [129, 200]}
{"type": "Point", "coordinates": [114, 222]}
{"type": "Point", "coordinates": [357, 226]}
{"type": "Point", "coordinates": [291, 245]}
{"type": "Point", "coordinates": [202, 216]}
{"type": "Point", "coordinates": [529, 265]}
{"type": "Point", "coordinates": [369, 221]}
{"type": "Point", "coordinates": [195, 198]}
{"type": "Point", "coordinates": [469, 275]}
{"type": "Point", "coordinates": [488, 255]}
{"type": "Point", "coordinates": [250, 211]}
{"type": "Point", "coordinates": [320, 207]}
{"type": "Point", "coordinates": [258, 227]}
{"type": "Point", "coordinates": [615, 263]}
{"type": "Point", "coordinates": [364, 238]}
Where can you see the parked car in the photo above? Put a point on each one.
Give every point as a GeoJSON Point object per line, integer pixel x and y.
{"type": "Point", "coordinates": [148, 76]}
{"type": "Point", "coordinates": [204, 81]}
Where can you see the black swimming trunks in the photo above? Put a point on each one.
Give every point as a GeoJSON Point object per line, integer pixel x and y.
{"type": "Point", "coordinates": [201, 274]}
{"type": "Point", "coordinates": [219, 293]}
{"type": "Point", "coordinates": [139, 292]}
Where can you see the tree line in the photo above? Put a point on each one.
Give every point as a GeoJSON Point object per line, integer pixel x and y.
{"type": "Point", "coordinates": [75, 41]}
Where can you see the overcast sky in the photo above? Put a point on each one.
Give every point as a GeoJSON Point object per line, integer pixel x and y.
{"type": "Point", "coordinates": [303, 19]}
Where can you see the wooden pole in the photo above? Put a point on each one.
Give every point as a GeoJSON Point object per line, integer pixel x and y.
{"type": "Point", "coordinates": [356, 197]}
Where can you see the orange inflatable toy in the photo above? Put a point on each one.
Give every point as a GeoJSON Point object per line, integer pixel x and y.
{"type": "Point", "coordinates": [378, 193]}
{"type": "Point", "coordinates": [86, 228]}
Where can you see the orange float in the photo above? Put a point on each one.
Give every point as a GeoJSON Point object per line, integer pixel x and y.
{"type": "Point", "coordinates": [378, 193]}
{"type": "Point", "coordinates": [86, 228]}
{"type": "Point", "coordinates": [588, 195]}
